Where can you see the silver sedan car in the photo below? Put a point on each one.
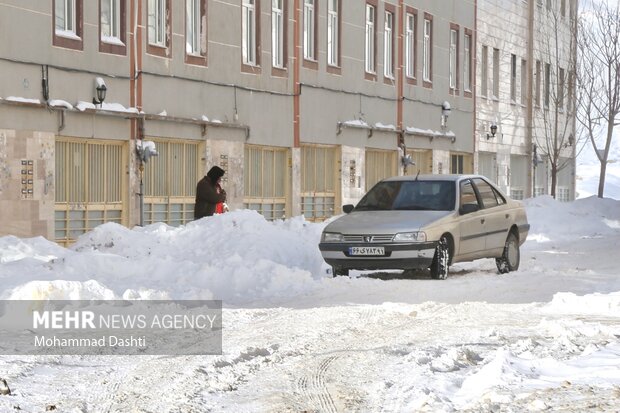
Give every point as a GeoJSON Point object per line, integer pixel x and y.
{"type": "Point", "coordinates": [428, 221]}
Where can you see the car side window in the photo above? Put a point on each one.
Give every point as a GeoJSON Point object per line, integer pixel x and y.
{"type": "Point", "coordinates": [487, 194]}
{"type": "Point", "coordinates": [500, 198]}
{"type": "Point", "coordinates": [468, 195]}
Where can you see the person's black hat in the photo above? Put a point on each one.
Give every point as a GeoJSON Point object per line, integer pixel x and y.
{"type": "Point", "coordinates": [215, 173]}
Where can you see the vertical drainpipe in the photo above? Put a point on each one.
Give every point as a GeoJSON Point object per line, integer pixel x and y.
{"type": "Point", "coordinates": [399, 79]}
{"type": "Point", "coordinates": [473, 76]}
{"type": "Point", "coordinates": [135, 89]}
{"type": "Point", "coordinates": [529, 120]}
{"type": "Point", "coordinates": [296, 80]}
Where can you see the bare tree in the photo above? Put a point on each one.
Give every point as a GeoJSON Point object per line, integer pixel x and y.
{"type": "Point", "coordinates": [554, 121]}
{"type": "Point", "coordinates": [599, 78]}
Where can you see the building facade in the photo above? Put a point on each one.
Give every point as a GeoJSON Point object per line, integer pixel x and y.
{"type": "Point", "coordinates": [525, 69]}
{"type": "Point", "coordinates": [305, 103]}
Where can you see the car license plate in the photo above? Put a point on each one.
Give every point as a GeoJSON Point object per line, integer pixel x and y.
{"type": "Point", "coordinates": [366, 251]}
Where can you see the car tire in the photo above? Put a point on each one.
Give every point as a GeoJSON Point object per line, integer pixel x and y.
{"type": "Point", "coordinates": [511, 256]}
{"type": "Point", "coordinates": [441, 260]}
{"type": "Point", "coordinates": [338, 271]}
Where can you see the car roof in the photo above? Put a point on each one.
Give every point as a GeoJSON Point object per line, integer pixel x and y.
{"type": "Point", "coordinates": [432, 177]}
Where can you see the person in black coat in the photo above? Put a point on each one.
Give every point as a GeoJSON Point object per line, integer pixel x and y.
{"type": "Point", "coordinates": [209, 193]}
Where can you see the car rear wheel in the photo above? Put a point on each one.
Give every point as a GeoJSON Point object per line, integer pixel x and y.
{"type": "Point", "coordinates": [509, 261]}
{"type": "Point", "coordinates": [337, 271]}
{"type": "Point", "coordinates": [441, 260]}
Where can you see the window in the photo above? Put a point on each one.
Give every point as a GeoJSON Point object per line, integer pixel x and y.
{"type": "Point", "coordinates": [369, 54]}
{"type": "Point", "coordinates": [249, 33]}
{"type": "Point", "coordinates": [487, 193]}
{"type": "Point", "coordinates": [265, 180]}
{"type": "Point", "coordinates": [68, 23]}
{"type": "Point", "coordinates": [195, 31]}
{"type": "Point", "coordinates": [159, 27]}
{"type": "Point", "coordinates": [523, 81]}
{"type": "Point", "coordinates": [319, 178]}
{"type": "Point", "coordinates": [563, 8]}
{"type": "Point", "coordinates": [157, 22]}
{"type": "Point", "coordinates": [484, 83]}
{"type": "Point", "coordinates": [547, 84]}
{"type": "Point", "coordinates": [410, 45]}
{"type": "Point", "coordinates": [170, 182]}
{"type": "Point", "coordinates": [495, 73]}
{"type": "Point", "coordinates": [461, 163]}
{"type": "Point", "coordinates": [309, 30]}
{"type": "Point", "coordinates": [388, 45]}
{"type": "Point", "coordinates": [513, 78]}
{"type": "Point", "coordinates": [538, 76]}
{"type": "Point", "coordinates": [427, 49]}
{"type": "Point", "coordinates": [89, 185]}
{"type": "Point", "coordinates": [467, 65]}
{"type": "Point", "coordinates": [453, 69]}
{"type": "Point", "coordinates": [112, 27]}
{"type": "Point", "coordinates": [380, 164]}
{"type": "Point", "coordinates": [518, 176]}
{"type": "Point", "coordinates": [333, 32]}
{"type": "Point", "coordinates": [277, 33]}
{"type": "Point", "coordinates": [468, 195]}
{"type": "Point", "coordinates": [561, 90]}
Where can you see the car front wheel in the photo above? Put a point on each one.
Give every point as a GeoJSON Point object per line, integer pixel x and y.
{"type": "Point", "coordinates": [509, 261]}
{"type": "Point", "coordinates": [441, 260]}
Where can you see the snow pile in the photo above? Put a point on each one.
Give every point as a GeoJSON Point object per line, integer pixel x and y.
{"type": "Point", "coordinates": [237, 257]}
{"type": "Point", "coordinates": [585, 218]}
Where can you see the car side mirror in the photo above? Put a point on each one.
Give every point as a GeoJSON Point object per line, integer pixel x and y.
{"type": "Point", "coordinates": [468, 209]}
{"type": "Point", "coordinates": [347, 208]}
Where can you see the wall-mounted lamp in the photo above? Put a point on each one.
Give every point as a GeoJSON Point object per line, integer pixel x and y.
{"type": "Point", "coordinates": [570, 142]}
{"type": "Point", "coordinates": [445, 112]}
{"type": "Point", "coordinates": [493, 131]}
{"type": "Point", "coordinates": [100, 91]}
{"type": "Point", "coordinates": [406, 160]}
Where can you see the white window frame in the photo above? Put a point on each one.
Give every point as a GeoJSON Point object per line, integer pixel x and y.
{"type": "Point", "coordinates": [248, 32]}
{"type": "Point", "coordinates": [192, 27]}
{"type": "Point", "coordinates": [332, 32]}
{"type": "Point", "coordinates": [513, 78]}
{"type": "Point", "coordinates": [410, 45]}
{"type": "Point", "coordinates": [523, 81]}
{"type": "Point", "coordinates": [309, 22]}
{"type": "Point", "coordinates": [158, 9]}
{"type": "Point", "coordinates": [277, 33]}
{"type": "Point", "coordinates": [426, 68]}
{"type": "Point", "coordinates": [467, 63]}
{"type": "Point", "coordinates": [453, 45]}
{"type": "Point", "coordinates": [369, 55]}
{"type": "Point", "coordinates": [111, 29]}
{"type": "Point", "coordinates": [388, 55]}
{"type": "Point", "coordinates": [66, 18]}
{"type": "Point", "coordinates": [484, 75]}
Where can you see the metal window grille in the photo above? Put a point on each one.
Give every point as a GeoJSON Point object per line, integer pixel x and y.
{"type": "Point", "coordinates": [563, 194]}
{"type": "Point", "coordinates": [423, 161]}
{"type": "Point", "coordinates": [170, 182]}
{"type": "Point", "coordinates": [89, 186]}
{"type": "Point", "coordinates": [380, 165]}
{"type": "Point", "coordinates": [318, 182]}
{"type": "Point", "coordinates": [265, 177]}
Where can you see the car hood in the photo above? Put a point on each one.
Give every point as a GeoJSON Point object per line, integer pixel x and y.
{"type": "Point", "coordinates": [384, 222]}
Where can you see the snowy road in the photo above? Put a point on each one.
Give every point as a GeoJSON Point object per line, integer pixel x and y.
{"type": "Point", "coordinates": [545, 338]}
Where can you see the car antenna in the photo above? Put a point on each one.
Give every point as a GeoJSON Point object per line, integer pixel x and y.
{"type": "Point", "coordinates": [418, 174]}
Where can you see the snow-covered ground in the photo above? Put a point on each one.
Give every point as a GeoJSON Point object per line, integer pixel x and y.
{"type": "Point", "coordinates": [544, 338]}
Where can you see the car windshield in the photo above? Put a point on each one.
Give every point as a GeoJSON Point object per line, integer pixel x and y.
{"type": "Point", "coordinates": [409, 195]}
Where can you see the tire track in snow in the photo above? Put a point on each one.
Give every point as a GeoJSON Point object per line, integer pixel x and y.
{"type": "Point", "coordinates": [314, 389]}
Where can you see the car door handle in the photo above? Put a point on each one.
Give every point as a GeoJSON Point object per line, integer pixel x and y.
{"type": "Point", "coordinates": [482, 221]}
{"type": "Point", "coordinates": [507, 216]}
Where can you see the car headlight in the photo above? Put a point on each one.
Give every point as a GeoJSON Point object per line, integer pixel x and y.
{"type": "Point", "coordinates": [418, 236]}
{"type": "Point", "coordinates": [332, 237]}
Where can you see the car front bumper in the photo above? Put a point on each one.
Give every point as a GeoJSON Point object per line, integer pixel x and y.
{"type": "Point", "coordinates": [397, 256]}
